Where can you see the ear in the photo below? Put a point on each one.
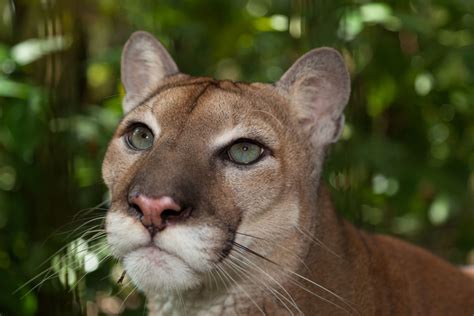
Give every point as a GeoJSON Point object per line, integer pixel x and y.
{"type": "Point", "coordinates": [318, 86]}
{"type": "Point", "coordinates": [145, 63]}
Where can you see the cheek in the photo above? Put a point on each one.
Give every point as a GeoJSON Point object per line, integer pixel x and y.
{"type": "Point", "coordinates": [124, 233]}
{"type": "Point", "coordinates": [116, 163]}
{"type": "Point", "coordinates": [254, 191]}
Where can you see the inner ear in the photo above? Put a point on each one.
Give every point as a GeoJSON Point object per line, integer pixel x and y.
{"type": "Point", "coordinates": [318, 87]}
{"type": "Point", "coordinates": [145, 63]}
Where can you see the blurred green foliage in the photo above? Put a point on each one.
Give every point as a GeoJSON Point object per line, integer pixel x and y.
{"type": "Point", "coordinates": [405, 165]}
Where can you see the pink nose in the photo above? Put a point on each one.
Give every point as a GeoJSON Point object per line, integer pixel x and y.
{"type": "Point", "coordinates": [156, 211]}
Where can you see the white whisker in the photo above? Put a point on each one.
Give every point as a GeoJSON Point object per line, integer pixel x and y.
{"type": "Point", "coordinates": [242, 289]}
{"type": "Point", "coordinates": [273, 291]}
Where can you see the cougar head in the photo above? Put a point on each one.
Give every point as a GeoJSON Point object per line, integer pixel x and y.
{"type": "Point", "coordinates": [201, 170]}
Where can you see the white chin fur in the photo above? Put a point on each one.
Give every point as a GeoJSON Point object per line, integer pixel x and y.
{"type": "Point", "coordinates": [181, 254]}
{"type": "Point", "coordinates": [154, 271]}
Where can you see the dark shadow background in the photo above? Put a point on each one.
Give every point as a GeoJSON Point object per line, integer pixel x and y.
{"type": "Point", "coordinates": [405, 165]}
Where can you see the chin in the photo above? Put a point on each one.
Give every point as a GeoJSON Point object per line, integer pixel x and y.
{"type": "Point", "coordinates": [176, 259]}
{"type": "Point", "coordinates": [155, 271]}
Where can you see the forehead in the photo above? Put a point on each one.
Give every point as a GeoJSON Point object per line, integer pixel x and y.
{"type": "Point", "coordinates": [208, 107]}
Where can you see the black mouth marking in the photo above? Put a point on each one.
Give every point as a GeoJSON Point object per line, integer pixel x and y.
{"type": "Point", "coordinates": [229, 244]}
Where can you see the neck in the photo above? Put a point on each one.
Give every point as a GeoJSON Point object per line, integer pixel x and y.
{"type": "Point", "coordinates": [373, 274]}
{"type": "Point", "coordinates": [338, 261]}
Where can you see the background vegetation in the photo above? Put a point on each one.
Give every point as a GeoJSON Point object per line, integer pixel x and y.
{"type": "Point", "coordinates": [405, 165]}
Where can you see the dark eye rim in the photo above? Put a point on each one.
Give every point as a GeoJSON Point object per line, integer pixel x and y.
{"type": "Point", "coordinates": [129, 131]}
{"type": "Point", "coordinates": [225, 151]}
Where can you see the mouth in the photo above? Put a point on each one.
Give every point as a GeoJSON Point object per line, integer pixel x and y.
{"type": "Point", "coordinates": [151, 247]}
{"type": "Point", "coordinates": [154, 254]}
{"type": "Point", "coordinates": [154, 270]}
{"type": "Point", "coordinates": [157, 256]}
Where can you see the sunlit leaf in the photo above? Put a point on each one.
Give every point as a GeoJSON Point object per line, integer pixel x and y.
{"type": "Point", "coordinates": [9, 88]}
{"type": "Point", "coordinates": [35, 48]}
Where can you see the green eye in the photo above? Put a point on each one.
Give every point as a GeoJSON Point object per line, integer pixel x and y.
{"type": "Point", "coordinates": [244, 152]}
{"type": "Point", "coordinates": [140, 138]}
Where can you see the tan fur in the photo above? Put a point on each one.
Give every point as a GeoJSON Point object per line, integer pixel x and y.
{"type": "Point", "coordinates": [304, 259]}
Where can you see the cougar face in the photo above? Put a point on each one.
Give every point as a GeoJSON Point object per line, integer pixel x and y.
{"type": "Point", "coordinates": [199, 169]}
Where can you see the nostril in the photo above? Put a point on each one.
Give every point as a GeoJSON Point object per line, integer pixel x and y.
{"type": "Point", "coordinates": [135, 210]}
{"type": "Point", "coordinates": [172, 215]}
{"type": "Point", "coordinates": [166, 214]}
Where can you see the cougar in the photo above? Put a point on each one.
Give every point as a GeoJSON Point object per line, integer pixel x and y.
{"type": "Point", "coordinates": [217, 205]}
